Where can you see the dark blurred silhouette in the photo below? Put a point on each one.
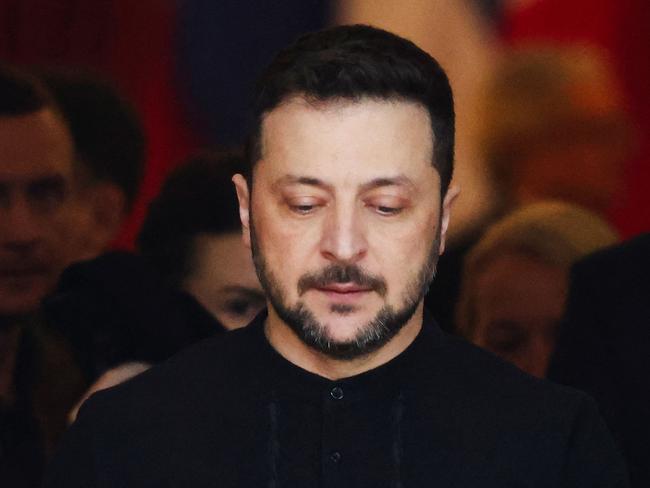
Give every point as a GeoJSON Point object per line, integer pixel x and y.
{"type": "Point", "coordinates": [604, 347]}
{"type": "Point", "coordinates": [192, 237]}
{"type": "Point", "coordinates": [515, 280]}
{"type": "Point", "coordinates": [116, 309]}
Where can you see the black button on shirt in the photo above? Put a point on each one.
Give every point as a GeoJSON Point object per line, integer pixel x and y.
{"type": "Point", "coordinates": [337, 393]}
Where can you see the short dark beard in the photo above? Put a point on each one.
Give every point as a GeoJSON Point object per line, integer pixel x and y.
{"type": "Point", "coordinates": [375, 334]}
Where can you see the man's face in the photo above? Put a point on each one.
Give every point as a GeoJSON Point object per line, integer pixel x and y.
{"type": "Point", "coordinates": [223, 279]}
{"type": "Point", "coordinates": [345, 220]}
{"type": "Point", "coordinates": [36, 174]}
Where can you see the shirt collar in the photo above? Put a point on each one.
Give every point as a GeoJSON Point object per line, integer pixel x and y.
{"type": "Point", "coordinates": [388, 379]}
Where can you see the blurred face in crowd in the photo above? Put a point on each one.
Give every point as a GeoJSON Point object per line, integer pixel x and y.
{"type": "Point", "coordinates": [345, 220]}
{"type": "Point", "coordinates": [223, 279]}
{"type": "Point", "coordinates": [519, 302]}
{"type": "Point", "coordinates": [36, 210]}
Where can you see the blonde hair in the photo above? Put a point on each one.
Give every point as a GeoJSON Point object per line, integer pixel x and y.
{"type": "Point", "coordinates": [555, 232]}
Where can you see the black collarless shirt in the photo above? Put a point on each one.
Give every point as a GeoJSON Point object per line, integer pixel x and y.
{"type": "Point", "coordinates": [231, 412]}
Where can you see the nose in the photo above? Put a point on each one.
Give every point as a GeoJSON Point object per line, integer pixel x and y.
{"type": "Point", "coordinates": [344, 235]}
{"type": "Point", "coordinates": [20, 229]}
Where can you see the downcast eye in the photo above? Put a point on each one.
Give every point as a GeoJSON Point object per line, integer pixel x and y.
{"type": "Point", "coordinates": [303, 205]}
{"type": "Point", "coordinates": [303, 209]}
{"type": "Point", "coordinates": [384, 210]}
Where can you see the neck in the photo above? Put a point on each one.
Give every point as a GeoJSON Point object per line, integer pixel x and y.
{"type": "Point", "coordinates": [290, 346]}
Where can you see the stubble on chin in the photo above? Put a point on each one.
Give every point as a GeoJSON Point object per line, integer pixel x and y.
{"type": "Point", "coordinates": [370, 336]}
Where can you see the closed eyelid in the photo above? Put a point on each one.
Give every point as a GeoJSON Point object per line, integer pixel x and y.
{"type": "Point", "coordinates": [304, 201]}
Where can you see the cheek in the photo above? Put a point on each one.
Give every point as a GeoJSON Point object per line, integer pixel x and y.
{"type": "Point", "coordinates": [402, 249]}
{"type": "Point", "coordinates": [289, 250]}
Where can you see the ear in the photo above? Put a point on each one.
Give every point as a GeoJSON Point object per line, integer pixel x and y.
{"type": "Point", "coordinates": [108, 211]}
{"type": "Point", "coordinates": [243, 196]}
{"type": "Point", "coordinates": [447, 203]}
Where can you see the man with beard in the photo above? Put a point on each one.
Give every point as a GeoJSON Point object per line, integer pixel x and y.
{"type": "Point", "coordinates": [345, 381]}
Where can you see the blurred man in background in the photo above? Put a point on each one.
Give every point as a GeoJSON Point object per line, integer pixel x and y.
{"type": "Point", "coordinates": [41, 184]}
{"type": "Point", "coordinates": [70, 167]}
{"type": "Point", "coordinates": [55, 209]}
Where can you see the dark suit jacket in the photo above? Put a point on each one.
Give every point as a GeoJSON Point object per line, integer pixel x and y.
{"type": "Point", "coordinates": [605, 345]}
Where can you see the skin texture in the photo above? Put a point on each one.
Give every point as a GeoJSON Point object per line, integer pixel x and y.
{"type": "Point", "coordinates": [519, 302]}
{"type": "Point", "coordinates": [223, 279]}
{"type": "Point", "coordinates": [344, 184]}
{"type": "Point", "coordinates": [36, 210]}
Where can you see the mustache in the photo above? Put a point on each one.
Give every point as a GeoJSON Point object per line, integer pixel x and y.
{"type": "Point", "coordinates": [337, 273]}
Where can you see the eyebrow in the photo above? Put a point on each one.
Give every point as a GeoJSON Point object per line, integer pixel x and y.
{"type": "Point", "coordinates": [399, 180]}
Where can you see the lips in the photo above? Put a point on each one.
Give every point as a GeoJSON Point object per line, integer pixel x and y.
{"type": "Point", "coordinates": [344, 288]}
{"type": "Point", "coordinates": [344, 293]}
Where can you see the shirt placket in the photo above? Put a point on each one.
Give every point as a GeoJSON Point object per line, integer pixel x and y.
{"type": "Point", "coordinates": [333, 452]}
